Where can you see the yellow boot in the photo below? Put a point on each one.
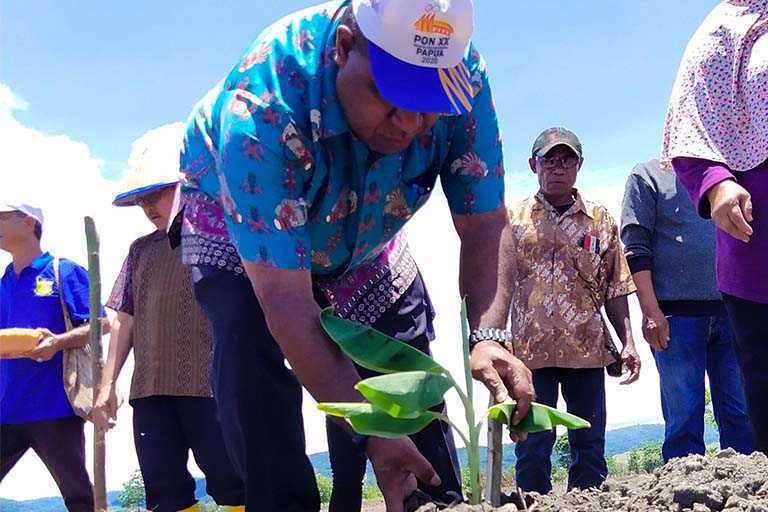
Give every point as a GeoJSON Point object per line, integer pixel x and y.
{"type": "Point", "coordinates": [193, 508]}
{"type": "Point", "coordinates": [235, 508]}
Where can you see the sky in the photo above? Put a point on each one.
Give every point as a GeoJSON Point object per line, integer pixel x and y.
{"type": "Point", "coordinates": [80, 81]}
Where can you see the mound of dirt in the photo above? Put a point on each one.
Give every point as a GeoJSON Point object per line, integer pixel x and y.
{"type": "Point", "coordinates": [727, 481]}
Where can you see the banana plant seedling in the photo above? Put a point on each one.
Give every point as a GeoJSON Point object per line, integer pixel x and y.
{"type": "Point", "coordinates": [399, 402]}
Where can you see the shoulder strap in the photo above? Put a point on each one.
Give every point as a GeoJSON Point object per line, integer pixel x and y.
{"type": "Point", "coordinates": [64, 310]}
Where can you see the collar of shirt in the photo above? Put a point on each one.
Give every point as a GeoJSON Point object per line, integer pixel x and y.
{"type": "Point", "coordinates": [541, 203]}
{"type": "Point", "coordinates": [37, 264]}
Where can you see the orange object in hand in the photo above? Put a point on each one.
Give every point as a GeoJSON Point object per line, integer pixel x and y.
{"type": "Point", "coordinates": [16, 342]}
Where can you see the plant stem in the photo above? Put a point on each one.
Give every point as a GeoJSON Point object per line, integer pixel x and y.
{"type": "Point", "coordinates": [473, 447]}
{"type": "Point", "coordinates": [455, 427]}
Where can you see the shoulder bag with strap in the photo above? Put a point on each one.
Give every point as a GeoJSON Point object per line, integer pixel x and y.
{"type": "Point", "coordinates": [615, 369]}
{"type": "Point", "coordinates": [77, 363]}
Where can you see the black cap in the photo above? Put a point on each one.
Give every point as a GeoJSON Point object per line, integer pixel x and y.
{"type": "Point", "coordinates": [556, 136]}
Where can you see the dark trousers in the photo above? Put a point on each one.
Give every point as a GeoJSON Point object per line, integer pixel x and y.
{"type": "Point", "coordinates": [165, 429]}
{"type": "Point", "coordinates": [60, 444]}
{"type": "Point", "coordinates": [584, 394]}
{"type": "Point", "coordinates": [750, 325]}
{"type": "Point", "coordinates": [258, 398]}
{"type": "Point", "coordinates": [410, 321]}
{"type": "Point", "coordinates": [699, 345]}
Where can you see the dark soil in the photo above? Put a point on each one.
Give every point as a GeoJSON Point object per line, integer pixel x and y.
{"type": "Point", "coordinates": [726, 481]}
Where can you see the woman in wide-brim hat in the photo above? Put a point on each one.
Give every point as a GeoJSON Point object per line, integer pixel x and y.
{"type": "Point", "coordinates": [157, 315]}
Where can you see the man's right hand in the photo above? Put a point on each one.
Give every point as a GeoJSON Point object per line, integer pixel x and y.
{"type": "Point", "coordinates": [104, 413]}
{"type": "Point", "coordinates": [656, 329]}
{"type": "Point", "coordinates": [504, 375]}
{"type": "Point", "coordinates": [397, 464]}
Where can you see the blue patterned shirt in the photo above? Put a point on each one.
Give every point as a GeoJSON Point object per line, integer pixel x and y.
{"type": "Point", "coordinates": [272, 166]}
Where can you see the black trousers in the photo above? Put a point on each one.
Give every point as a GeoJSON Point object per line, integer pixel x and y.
{"type": "Point", "coordinates": [410, 321]}
{"type": "Point", "coordinates": [750, 326]}
{"type": "Point", "coordinates": [258, 398]}
{"type": "Point", "coordinates": [584, 394]}
{"type": "Point", "coordinates": [60, 444]}
{"type": "Point", "coordinates": [259, 401]}
{"type": "Point", "coordinates": [165, 429]}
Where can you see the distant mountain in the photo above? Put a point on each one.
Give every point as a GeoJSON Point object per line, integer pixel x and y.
{"type": "Point", "coordinates": [617, 441]}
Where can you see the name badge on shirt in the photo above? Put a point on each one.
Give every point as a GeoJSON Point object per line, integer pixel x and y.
{"type": "Point", "coordinates": [590, 243]}
{"type": "Point", "coordinates": [43, 287]}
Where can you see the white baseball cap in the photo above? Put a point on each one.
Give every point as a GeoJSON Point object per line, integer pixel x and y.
{"type": "Point", "coordinates": [417, 51]}
{"type": "Point", "coordinates": [152, 164]}
{"type": "Point", "coordinates": [31, 211]}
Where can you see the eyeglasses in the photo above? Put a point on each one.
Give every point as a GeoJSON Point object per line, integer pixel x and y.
{"type": "Point", "coordinates": [552, 162]}
{"type": "Point", "coordinates": [151, 198]}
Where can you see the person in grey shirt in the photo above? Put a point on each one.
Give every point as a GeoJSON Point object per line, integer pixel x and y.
{"type": "Point", "coordinates": [671, 254]}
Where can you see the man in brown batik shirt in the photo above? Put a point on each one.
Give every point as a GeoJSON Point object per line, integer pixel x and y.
{"type": "Point", "coordinates": [569, 264]}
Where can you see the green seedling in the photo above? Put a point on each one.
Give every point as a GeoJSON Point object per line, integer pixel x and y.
{"type": "Point", "coordinates": [399, 402]}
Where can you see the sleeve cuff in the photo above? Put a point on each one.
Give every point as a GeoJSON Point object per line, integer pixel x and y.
{"type": "Point", "coordinates": [712, 176]}
{"type": "Point", "coordinates": [640, 263]}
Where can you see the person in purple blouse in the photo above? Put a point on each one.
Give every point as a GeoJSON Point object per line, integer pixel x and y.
{"type": "Point", "coordinates": [716, 140]}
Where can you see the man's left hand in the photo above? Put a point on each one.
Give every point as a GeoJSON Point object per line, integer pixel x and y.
{"type": "Point", "coordinates": [630, 362]}
{"type": "Point", "coordinates": [504, 375]}
{"type": "Point", "coordinates": [47, 347]}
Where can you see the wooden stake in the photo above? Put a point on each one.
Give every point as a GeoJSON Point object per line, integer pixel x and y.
{"type": "Point", "coordinates": [94, 284]}
{"type": "Point", "coordinates": [493, 463]}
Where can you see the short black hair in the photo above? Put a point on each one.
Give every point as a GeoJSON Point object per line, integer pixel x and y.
{"type": "Point", "coordinates": [38, 230]}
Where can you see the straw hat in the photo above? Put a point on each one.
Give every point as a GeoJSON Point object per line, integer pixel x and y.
{"type": "Point", "coordinates": [153, 163]}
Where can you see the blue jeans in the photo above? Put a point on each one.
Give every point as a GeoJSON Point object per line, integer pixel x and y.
{"type": "Point", "coordinates": [698, 345]}
{"type": "Point", "coordinates": [584, 395]}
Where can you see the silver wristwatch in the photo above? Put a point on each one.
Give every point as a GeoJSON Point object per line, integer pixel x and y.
{"type": "Point", "coordinates": [501, 336]}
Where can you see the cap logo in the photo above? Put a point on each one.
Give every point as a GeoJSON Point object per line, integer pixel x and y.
{"type": "Point", "coordinates": [433, 36]}
{"type": "Point", "coordinates": [431, 24]}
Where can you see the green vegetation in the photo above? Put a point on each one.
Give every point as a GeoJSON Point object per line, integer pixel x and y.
{"type": "Point", "coordinates": [399, 401]}
{"type": "Point", "coordinates": [614, 469]}
{"type": "Point", "coordinates": [562, 452]}
{"type": "Point", "coordinates": [132, 497]}
{"type": "Point", "coordinates": [646, 458]}
{"type": "Point", "coordinates": [709, 412]}
{"type": "Point", "coordinates": [371, 492]}
{"type": "Point", "coordinates": [325, 486]}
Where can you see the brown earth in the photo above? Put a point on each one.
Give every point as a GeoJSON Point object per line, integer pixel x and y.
{"type": "Point", "coordinates": [726, 481]}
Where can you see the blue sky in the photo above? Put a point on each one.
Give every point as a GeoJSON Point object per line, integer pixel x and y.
{"type": "Point", "coordinates": [105, 72]}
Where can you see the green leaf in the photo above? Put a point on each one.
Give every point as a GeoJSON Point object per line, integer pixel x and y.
{"type": "Point", "coordinates": [371, 421]}
{"type": "Point", "coordinates": [539, 418]}
{"type": "Point", "coordinates": [374, 350]}
{"type": "Point", "coordinates": [405, 394]}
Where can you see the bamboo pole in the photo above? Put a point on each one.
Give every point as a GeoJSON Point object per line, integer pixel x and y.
{"type": "Point", "coordinates": [94, 284]}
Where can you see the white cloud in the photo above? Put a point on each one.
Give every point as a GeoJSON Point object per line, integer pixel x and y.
{"type": "Point", "coordinates": [9, 101]}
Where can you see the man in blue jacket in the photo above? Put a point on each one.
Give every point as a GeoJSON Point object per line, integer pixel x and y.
{"type": "Point", "coordinates": [35, 411]}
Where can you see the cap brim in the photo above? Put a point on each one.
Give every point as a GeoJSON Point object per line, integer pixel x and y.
{"type": "Point", "coordinates": [418, 88]}
{"type": "Point", "coordinates": [6, 208]}
{"type": "Point", "coordinates": [549, 147]}
{"type": "Point", "coordinates": [129, 198]}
